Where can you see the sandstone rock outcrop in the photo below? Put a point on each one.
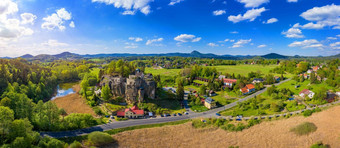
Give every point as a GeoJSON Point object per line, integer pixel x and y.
{"type": "Point", "coordinates": [133, 89]}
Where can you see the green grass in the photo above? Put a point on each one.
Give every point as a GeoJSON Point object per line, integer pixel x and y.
{"type": "Point", "coordinates": [114, 107]}
{"type": "Point", "coordinates": [119, 130]}
{"type": "Point", "coordinates": [162, 72]}
{"type": "Point", "coordinates": [199, 108]}
{"type": "Point", "coordinates": [244, 69]}
{"type": "Point", "coordinates": [222, 99]}
{"type": "Point", "coordinates": [304, 128]}
{"type": "Point", "coordinates": [200, 82]}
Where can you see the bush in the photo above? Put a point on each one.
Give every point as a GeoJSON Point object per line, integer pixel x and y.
{"type": "Point", "coordinates": [307, 113]}
{"type": "Point", "coordinates": [97, 110]}
{"type": "Point", "coordinates": [99, 138]}
{"type": "Point", "coordinates": [304, 128]}
{"type": "Point", "coordinates": [54, 143]}
{"type": "Point", "coordinates": [253, 122]}
{"type": "Point", "coordinates": [121, 119]}
{"type": "Point", "coordinates": [76, 144]}
{"type": "Point", "coordinates": [319, 145]}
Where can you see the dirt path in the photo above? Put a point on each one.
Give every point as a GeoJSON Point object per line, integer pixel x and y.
{"type": "Point", "coordinates": [74, 103]}
{"type": "Point", "coordinates": [267, 134]}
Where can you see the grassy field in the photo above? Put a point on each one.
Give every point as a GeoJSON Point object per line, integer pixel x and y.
{"type": "Point", "coordinates": [244, 69]}
{"type": "Point", "coordinates": [162, 72]}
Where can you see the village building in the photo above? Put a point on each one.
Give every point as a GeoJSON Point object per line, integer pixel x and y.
{"type": "Point", "coordinates": [249, 88]}
{"type": "Point", "coordinates": [229, 82]}
{"type": "Point", "coordinates": [221, 77]}
{"type": "Point", "coordinates": [315, 68]}
{"type": "Point", "coordinates": [257, 80]}
{"type": "Point", "coordinates": [133, 112]}
{"type": "Point", "coordinates": [277, 79]}
{"type": "Point", "coordinates": [309, 71]}
{"type": "Point", "coordinates": [209, 103]}
{"type": "Point", "coordinates": [306, 92]}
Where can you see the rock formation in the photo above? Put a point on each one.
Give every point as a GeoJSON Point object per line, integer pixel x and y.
{"type": "Point", "coordinates": [134, 88]}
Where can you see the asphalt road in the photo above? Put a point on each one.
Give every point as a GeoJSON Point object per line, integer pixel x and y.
{"type": "Point", "coordinates": [135, 122]}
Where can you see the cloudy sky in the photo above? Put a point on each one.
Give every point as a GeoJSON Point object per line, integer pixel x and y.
{"type": "Point", "coordinates": [236, 27]}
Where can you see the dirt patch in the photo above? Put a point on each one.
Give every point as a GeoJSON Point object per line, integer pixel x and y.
{"type": "Point", "coordinates": [267, 134]}
{"type": "Point", "coordinates": [74, 103]}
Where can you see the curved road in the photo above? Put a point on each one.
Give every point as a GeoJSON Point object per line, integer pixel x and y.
{"type": "Point", "coordinates": [128, 123]}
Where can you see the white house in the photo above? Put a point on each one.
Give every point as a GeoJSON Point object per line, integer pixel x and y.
{"type": "Point", "coordinates": [306, 92]}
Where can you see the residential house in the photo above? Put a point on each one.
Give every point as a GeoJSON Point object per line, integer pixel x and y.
{"type": "Point", "coordinates": [338, 93]}
{"type": "Point", "coordinates": [257, 80]}
{"type": "Point", "coordinates": [309, 71]}
{"type": "Point", "coordinates": [212, 93]}
{"type": "Point", "coordinates": [133, 112]}
{"type": "Point", "coordinates": [249, 88]}
{"type": "Point", "coordinates": [277, 79]}
{"type": "Point", "coordinates": [221, 77]}
{"type": "Point", "coordinates": [210, 103]}
{"type": "Point", "coordinates": [229, 82]}
{"type": "Point", "coordinates": [306, 92]}
{"type": "Point", "coordinates": [315, 68]}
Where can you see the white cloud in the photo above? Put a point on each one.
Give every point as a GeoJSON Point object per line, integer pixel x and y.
{"type": "Point", "coordinates": [187, 38]}
{"type": "Point", "coordinates": [270, 21]}
{"type": "Point", "coordinates": [335, 44]}
{"type": "Point", "coordinates": [250, 15]}
{"type": "Point", "coordinates": [10, 28]}
{"type": "Point", "coordinates": [54, 43]}
{"type": "Point", "coordinates": [149, 42]}
{"type": "Point", "coordinates": [262, 46]}
{"type": "Point", "coordinates": [72, 25]}
{"type": "Point", "coordinates": [27, 18]}
{"type": "Point", "coordinates": [136, 39]}
{"type": "Point", "coordinates": [130, 6]}
{"type": "Point", "coordinates": [331, 38]}
{"type": "Point", "coordinates": [328, 15]}
{"type": "Point", "coordinates": [253, 3]}
{"type": "Point", "coordinates": [212, 45]}
{"type": "Point", "coordinates": [312, 26]}
{"type": "Point", "coordinates": [173, 2]}
{"type": "Point", "coordinates": [234, 32]}
{"type": "Point", "coordinates": [240, 43]}
{"type": "Point", "coordinates": [311, 43]}
{"type": "Point", "coordinates": [291, 1]}
{"type": "Point", "coordinates": [56, 20]}
{"type": "Point", "coordinates": [130, 45]}
{"type": "Point", "coordinates": [293, 32]}
{"type": "Point", "coordinates": [219, 12]}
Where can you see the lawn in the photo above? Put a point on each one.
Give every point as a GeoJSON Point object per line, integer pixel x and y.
{"type": "Point", "coordinates": [224, 98]}
{"type": "Point", "coordinates": [199, 108]}
{"type": "Point", "coordinates": [114, 107]}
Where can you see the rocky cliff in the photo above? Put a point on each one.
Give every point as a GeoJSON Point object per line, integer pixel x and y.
{"type": "Point", "coordinates": [133, 89]}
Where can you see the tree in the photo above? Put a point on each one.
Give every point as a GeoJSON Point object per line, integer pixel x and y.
{"type": "Point", "coordinates": [313, 78]}
{"type": "Point", "coordinates": [106, 93]}
{"type": "Point", "coordinates": [180, 91]}
{"type": "Point", "coordinates": [203, 90]}
{"type": "Point", "coordinates": [84, 85]}
{"type": "Point", "coordinates": [20, 128]}
{"type": "Point", "coordinates": [6, 118]}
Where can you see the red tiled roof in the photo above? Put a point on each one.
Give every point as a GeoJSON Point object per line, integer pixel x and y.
{"type": "Point", "coordinates": [135, 107]}
{"type": "Point", "coordinates": [229, 80]}
{"type": "Point", "coordinates": [120, 113]}
{"type": "Point", "coordinates": [315, 68]}
{"type": "Point", "coordinates": [138, 112]}
{"type": "Point", "coordinates": [250, 86]}
{"type": "Point", "coordinates": [305, 91]}
{"type": "Point", "coordinates": [244, 90]}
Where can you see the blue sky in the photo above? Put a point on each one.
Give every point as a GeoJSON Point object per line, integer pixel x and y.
{"type": "Point", "coordinates": [236, 27]}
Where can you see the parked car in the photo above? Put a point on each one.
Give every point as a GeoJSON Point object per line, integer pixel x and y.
{"type": "Point", "coordinates": [217, 114]}
{"type": "Point", "coordinates": [162, 115]}
{"type": "Point", "coordinates": [186, 113]}
{"type": "Point", "coordinates": [174, 114]}
{"type": "Point", "coordinates": [168, 115]}
{"type": "Point", "coordinates": [179, 114]}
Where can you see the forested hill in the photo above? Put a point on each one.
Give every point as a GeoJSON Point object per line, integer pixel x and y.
{"type": "Point", "coordinates": [196, 54]}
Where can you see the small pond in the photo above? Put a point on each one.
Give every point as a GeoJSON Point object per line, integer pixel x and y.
{"type": "Point", "coordinates": [64, 89]}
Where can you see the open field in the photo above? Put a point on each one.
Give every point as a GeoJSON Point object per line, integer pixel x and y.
{"type": "Point", "coordinates": [162, 72]}
{"type": "Point", "coordinates": [244, 69]}
{"type": "Point", "coordinates": [74, 103]}
{"type": "Point", "coordinates": [267, 134]}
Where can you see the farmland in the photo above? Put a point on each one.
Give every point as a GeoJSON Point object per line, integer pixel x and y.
{"type": "Point", "coordinates": [244, 69]}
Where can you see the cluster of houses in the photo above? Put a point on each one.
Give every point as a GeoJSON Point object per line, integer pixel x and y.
{"type": "Point", "coordinates": [331, 97]}
{"type": "Point", "coordinates": [314, 69]}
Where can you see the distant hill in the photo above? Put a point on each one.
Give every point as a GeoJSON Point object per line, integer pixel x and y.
{"type": "Point", "coordinates": [274, 56]}
{"type": "Point", "coordinates": [26, 56]}
{"type": "Point", "coordinates": [69, 55]}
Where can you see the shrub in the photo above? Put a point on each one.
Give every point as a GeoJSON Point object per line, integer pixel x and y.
{"type": "Point", "coordinates": [99, 138]}
{"type": "Point", "coordinates": [304, 128]}
{"type": "Point", "coordinates": [253, 122]}
{"type": "Point", "coordinates": [75, 144]}
{"type": "Point", "coordinates": [97, 110]}
{"type": "Point", "coordinates": [319, 145]}
{"type": "Point", "coordinates": [20, 142]}
{"type": "Point", "coordinates": [54, 143]}
{"type": "Point", "coordinates": [121, 119]}
{"type": "Point", "coordinates": [307, 113]}
{"type": "Point", "coordinates": [240, 127]}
